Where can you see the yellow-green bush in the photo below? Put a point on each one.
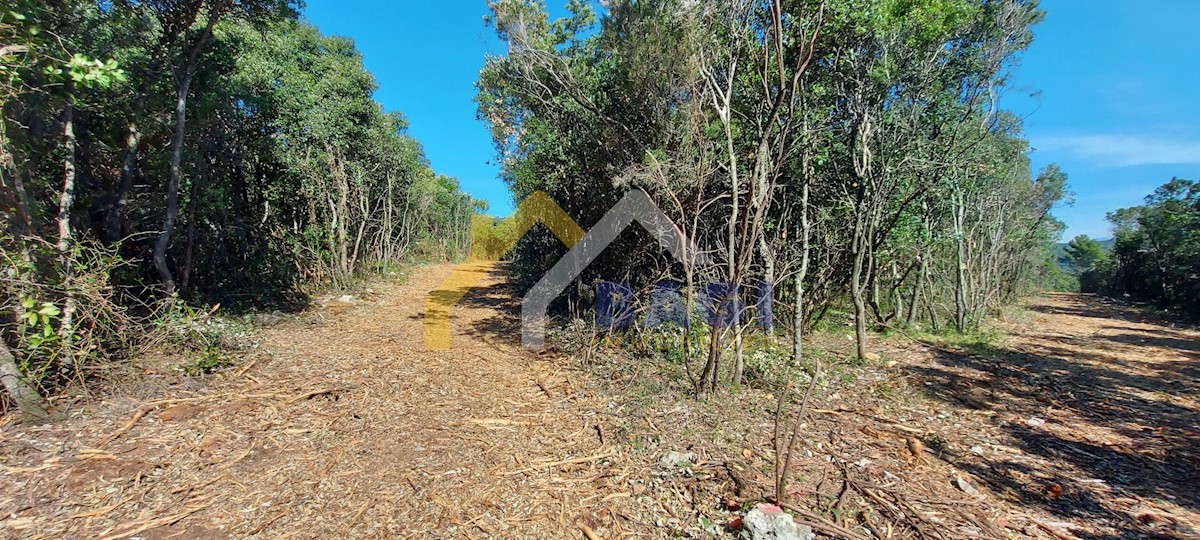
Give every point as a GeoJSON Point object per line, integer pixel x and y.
{"type": "Point", "coordinates": [491, 237]}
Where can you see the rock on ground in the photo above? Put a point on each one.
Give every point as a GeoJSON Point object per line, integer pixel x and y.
{"type": "Point", "coordinates": [770, 522]}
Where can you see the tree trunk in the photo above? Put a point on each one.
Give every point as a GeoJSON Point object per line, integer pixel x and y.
{"type": "Point", "coordinates": [960, 262]}
{"type": "Point", "coordinates": [164, 238]}
{"type": "Point", "coordinates": [33, 408]}
{"type": "Point", "coordinates": [916, 292]}
{"type": "Point", "coordinates": [897, 294]}
{"type": "Point", "coordinates": [798, 314]}
{"type": "Point", "coordinates": [112, 226]}
{"type": "Point", "coordinates": [768, 256]}
{"type": "Point", "coordinates": [856, 292]}
{"type": "Point", "coordinates": [388, 253]}
{"type": "Point", "coordinates": [186, 275]}
{"type": "Point", "coordinates": [7, 164]}
{"type": "Point", "coordinates": [734, 189]}
{"type": "Point", "coordinates": [66, 200]}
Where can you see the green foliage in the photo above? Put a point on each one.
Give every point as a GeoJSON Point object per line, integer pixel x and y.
{"type": "Point", "coordinates": [38, 323]}
{"type": "Point", "coordinates": [891, 127]}
{"type": "Point", "coordinates": [1156, 250]}
{"type": "Point", "coordinates": [86, 73]}
{"type": "Point", "coordinates": [1087, 259]}
{"type": "Point", "coordinates": [491, 237]}
{"type": "Point", "coordinates": [1084, 253]}
{"type": "Point", "coordinates": [290, 175]}
{"type": "Point", "coordinates": [209, 360]}
{"type": "Point", "coordinates": [769, 365]}
{"type": "Point", "coordinates": [38, 301]}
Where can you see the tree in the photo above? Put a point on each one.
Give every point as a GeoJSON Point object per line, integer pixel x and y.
{"type": "Point", "coordinates": [1087, 258]}
{"type": "Point", "coordinates": [255, 11]}
{"type": "Point", "coordinates": [1156, 249]}
{"type": "Point", "coordinates": [876, 143]}
{"type": "Point", "coordinates": [1084, 253]}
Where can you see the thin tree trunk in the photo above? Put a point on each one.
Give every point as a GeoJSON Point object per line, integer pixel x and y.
{"type": "Point", "coordinates": [164, 238]}
{"type": "Point", "coordinates": [960, 261]}
{"type": "Point", "coordinates": [897, 293]}
{"type": "Point", "coordinates": [7, 164]}
{"type": "Point", "coordinates": [916, 291]}
{"type": "Point", "coordinates": [856, 292]}
{"type": "Point", "coordinates": [65, 201]}
{"type": "Point", "coordinates": [33, 408]}
{"type": "Point", "coordinates": [388, 234]}
{"type": "Point", "coordinates": [859, 241]}
{"type": "Point", "coordinates": [732, 248]}
{"type": "Point", "coordinates": [186, 275]}
{"type": "Point", "coordinates": [805, 246]}
{"type": "Point", "coordinates": [112, 225]}
{"type": "Point", "coordinates": [768, 256]}
{"type": "Point", "coordinates": [783, 452]}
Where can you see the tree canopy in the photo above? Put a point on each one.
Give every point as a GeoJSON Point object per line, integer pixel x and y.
{"type": "Point", "coordinates": [854, 148]}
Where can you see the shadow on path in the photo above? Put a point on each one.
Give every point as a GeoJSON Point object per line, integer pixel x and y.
{"type": "Point", "coordinates": [1105, 414]}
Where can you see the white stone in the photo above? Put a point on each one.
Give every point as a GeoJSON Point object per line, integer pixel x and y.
{"type": "Point", "coordinates": [769, 522]}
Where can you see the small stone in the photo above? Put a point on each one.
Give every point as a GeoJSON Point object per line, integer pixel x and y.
{"type": "Point", "coordinates": [872, 357]}
{"type": "Point", "coordinates": [674, 459]}
{"type": "Point", "coordinates": [966, 486]}
{"type": "Point", "coordinates": [769, 522]}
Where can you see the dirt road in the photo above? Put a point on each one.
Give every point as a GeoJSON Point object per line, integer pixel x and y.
{"type": "Point", "coordinates": [350, 429]}
{"type": "Point", "coordinates": [345, 427]}
{"type": "Point", "coordinates": [1098, 406]}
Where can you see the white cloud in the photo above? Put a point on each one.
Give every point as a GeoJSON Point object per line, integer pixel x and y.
{"type": "Point", "coordinates": [1124, 150]}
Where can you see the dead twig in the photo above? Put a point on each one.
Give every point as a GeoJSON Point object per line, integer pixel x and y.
{"type": "Point", "coordinates": [552, 464]}
{"type": "Point", "coordinates": [136, 527]}
{"type": "Point", "coordinates": [128, 426]}
{"type": "Point", "coordinates": [588, 532]}
{"type": "Point", "coordinates": [315, 393]}
{"type": "Point", "coordinates": [817, 522]}
{"type": "Point", "coordinates": [259, 528]}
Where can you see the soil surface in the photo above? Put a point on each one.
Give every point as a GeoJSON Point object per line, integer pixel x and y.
{"type": "Point", "coordinates": [1084, 423]}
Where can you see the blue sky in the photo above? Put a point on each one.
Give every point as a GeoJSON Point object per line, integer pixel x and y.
{"type": "Point", "coordinates": [1117, 84]}
{"type": "Point", "coordinates": [426, 57]}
